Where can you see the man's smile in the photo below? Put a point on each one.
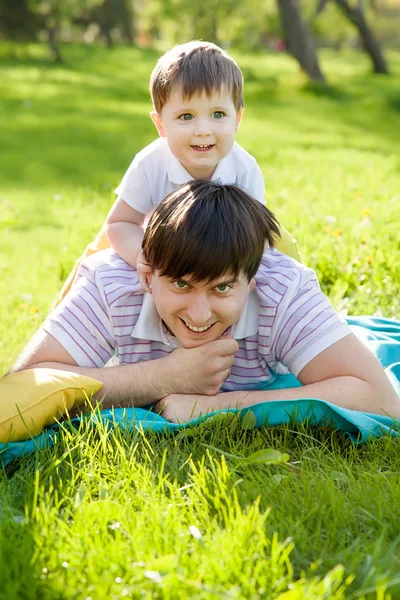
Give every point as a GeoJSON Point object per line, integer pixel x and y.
{"type": "Point", "coordinates": [195, 329]}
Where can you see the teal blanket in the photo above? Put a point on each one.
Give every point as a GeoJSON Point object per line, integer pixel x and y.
{"type": "Point", "coordinates": [381, 335]}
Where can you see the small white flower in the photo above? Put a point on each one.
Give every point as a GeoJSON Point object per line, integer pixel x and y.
{"type": "Point", "coordinates": [330, 219]}
{"type": "Point", "coordinates": [154, 576]}
{"type": "Point", "coordinates": [195, 532]}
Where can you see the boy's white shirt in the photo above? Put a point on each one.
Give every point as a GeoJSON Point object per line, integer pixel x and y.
{"type": "Point", "coordinates": [155, 172]}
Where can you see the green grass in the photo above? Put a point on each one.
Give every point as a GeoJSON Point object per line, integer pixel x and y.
{"type": "Point", "coordinates": [110, 514]}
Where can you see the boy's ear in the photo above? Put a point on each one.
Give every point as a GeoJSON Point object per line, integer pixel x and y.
{"type": "Point", "coordinates": [155, 117]}
{"type": "Point", "coordinates": [239, 118]}
{"type": "Point", "coordinates": [252, 284]}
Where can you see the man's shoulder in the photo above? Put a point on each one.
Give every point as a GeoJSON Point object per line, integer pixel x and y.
{"type": "Point", "coordinates": [109, 271]}
{"type": "Point", "coordinates": [283, 275]}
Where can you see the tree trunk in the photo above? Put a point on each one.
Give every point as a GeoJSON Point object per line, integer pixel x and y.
{"type": "Point", "coordinates": [53, 43]}
{"type": "Point", "coordinates": [357, 17]}
{"type": "Point", "coordinates": [299, 39]}
{"type": "Point", "coordinates": [53, 24]}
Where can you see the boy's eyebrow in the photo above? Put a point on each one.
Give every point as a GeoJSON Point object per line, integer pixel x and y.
{"type": "Point", "coordinates": [188, 109]}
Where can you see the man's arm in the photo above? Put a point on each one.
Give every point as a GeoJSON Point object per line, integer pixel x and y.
{"type": "Point", "coordinates": [199, 370]}
{"type": "Point", "coordinates": [346, 374]}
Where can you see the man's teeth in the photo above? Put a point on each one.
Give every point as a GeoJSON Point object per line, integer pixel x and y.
{"type": "Point", "coordinates": [197, 329]}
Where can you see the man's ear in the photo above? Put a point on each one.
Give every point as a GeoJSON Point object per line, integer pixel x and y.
{"type": "Point", "coordinates": [155, 117]}
{"type": "Point", "coordinates": [239, 118]}
{"type": "Point", "coordinates": [252, 284]}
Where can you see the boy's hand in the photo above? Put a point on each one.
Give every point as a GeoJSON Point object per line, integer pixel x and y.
{"type": "Point", "coordinates": [143, 269]}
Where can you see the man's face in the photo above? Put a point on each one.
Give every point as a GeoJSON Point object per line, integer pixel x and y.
{"type": "Point", "coordinates": [200, 132]}
{"type": "Point", "coordinates": [197, 313]}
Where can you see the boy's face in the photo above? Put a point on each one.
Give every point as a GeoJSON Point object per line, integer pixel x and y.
{"type": "Point", "coordinates": [200, 132]}
{"type": "Point", "coordinates": [197, 313]}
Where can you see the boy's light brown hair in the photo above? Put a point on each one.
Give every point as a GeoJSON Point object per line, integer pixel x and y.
{"type": "Point", "coordinates": [194, 68]}
{"type": "Point", "coordinates": [207, 230]}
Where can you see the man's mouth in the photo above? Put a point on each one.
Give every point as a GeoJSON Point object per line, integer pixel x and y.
{"type": "Point", "coordinates": [203, 147]}
{"type": "Point", "coordinates": [197, 329]}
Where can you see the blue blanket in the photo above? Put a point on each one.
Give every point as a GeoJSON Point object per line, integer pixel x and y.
{"type": "Point", "coordinates": [381, 335]}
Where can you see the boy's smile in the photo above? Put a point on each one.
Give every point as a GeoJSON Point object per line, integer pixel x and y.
{"type": "Point", "coordinates": [200, 131]}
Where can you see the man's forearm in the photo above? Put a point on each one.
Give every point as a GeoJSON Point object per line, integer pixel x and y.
{"type": "Point", "coordinates": [127, 385]}
{"type": "Point", "coordinates": [347, 392]}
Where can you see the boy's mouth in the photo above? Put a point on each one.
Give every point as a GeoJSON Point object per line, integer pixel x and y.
{"type": "Point", "coordinates": [203, 147]}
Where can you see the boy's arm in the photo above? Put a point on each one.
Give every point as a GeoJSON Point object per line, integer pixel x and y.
{"type": "Point", "coordinates": [346, 374]}
{"type": "Point", "coordinates": [124, 230]}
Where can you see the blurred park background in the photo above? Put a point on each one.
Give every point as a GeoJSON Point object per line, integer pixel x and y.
{"type": "Point", "coordinates": [322, 117]}
{"type": "Point", "coordinates": [295, 25]}
{"type": "Point", "coordinates": [122, 514]}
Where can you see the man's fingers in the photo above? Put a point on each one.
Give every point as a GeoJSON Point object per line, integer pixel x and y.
{"type": "Point", "coordinates": [226, 347]}
{"type": "Point", "coordinates": [159, 406]}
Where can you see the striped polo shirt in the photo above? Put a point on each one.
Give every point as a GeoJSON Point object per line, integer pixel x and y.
{"type": "Point", "coordinates": [286, 322]}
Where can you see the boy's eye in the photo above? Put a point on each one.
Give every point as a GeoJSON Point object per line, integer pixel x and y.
{"type": "Point", "coordinates": [218, 114]}
{"type": "Point", "coordinates": [180, 285]}
{"type": "Point", "coordinates": [186, 117]}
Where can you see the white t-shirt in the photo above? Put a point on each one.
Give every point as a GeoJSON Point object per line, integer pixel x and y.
{"type": "Point", "coordinates": [155, 172]}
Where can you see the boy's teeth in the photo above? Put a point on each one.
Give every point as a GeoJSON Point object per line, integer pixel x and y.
{"type": "Point", "coordinates": [197, 329]}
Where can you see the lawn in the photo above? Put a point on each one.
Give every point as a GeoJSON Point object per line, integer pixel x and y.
{"type": "Point", "coordinates": [114, 514]}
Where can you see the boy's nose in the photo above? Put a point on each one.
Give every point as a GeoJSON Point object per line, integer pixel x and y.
{"type": "Point", "coordinates": [203, 129]}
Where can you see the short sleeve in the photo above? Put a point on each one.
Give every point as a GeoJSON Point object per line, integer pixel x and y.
{"type": "Point", "coordinates": [81, 323]}
{"type": "Point", "coordinates": [252, 181]}
{"type": "Point", "coordinates": [306, 325]}
{"type": "Point", "coordinates": [135, 188]}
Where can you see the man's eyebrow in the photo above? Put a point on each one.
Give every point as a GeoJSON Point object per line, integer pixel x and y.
{"type": "Point", "coordinates": [226, 282]}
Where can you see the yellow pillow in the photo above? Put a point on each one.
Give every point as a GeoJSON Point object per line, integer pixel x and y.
{"type": "Point", "coordinates": [30, 400]}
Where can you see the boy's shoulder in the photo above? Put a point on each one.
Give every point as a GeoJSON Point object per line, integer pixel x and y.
{"type": "Point", "coordinates": [153, 152]}
{"type": "Point", "coordinates": [283, 274]}
{"type": "Point", "coordinates": [243, 157]}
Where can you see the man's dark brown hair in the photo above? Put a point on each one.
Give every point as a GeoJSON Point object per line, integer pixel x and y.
{"type": "Point", "coordinates": [194, 68]}
{"type": "Point", "coordinates": [207, 230]}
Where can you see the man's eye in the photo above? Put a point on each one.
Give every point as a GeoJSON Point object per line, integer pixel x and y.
{"type": "Point", "coordinates": [186, 117]}
{"type": "Point", "coordinates": [223, 288]}
{"type": "Point", "coordinates": [218, 114]}
{"type": "Point", "coordinates": [180, 285]}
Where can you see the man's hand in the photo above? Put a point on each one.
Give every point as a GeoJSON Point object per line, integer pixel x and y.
{"type": "Point", "coordinates": [181, 408]}
{"type": "Point", "coordinates": [201, 370]}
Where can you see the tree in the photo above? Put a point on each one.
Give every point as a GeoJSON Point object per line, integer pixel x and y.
{"type": "Point", "coordinates": [299, 39]}
{"type": "Point", "coordinates": [355, 13]}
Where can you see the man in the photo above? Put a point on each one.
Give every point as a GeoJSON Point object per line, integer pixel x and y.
{"type": "Point", "coordinates": [223, 316]}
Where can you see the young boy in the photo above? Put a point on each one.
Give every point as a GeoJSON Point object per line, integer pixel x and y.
{"type": "Point", "coordinates": [197, 95]}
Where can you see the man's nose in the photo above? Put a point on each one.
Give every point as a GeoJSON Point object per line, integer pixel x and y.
{"type": "Point", "coordinates": [199, 310]}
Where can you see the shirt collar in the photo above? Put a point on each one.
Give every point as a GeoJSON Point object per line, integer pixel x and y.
{"type": "Point", "coordinates": [225, 172]}
{"type": "Point", "coordinates": [150, 327]}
